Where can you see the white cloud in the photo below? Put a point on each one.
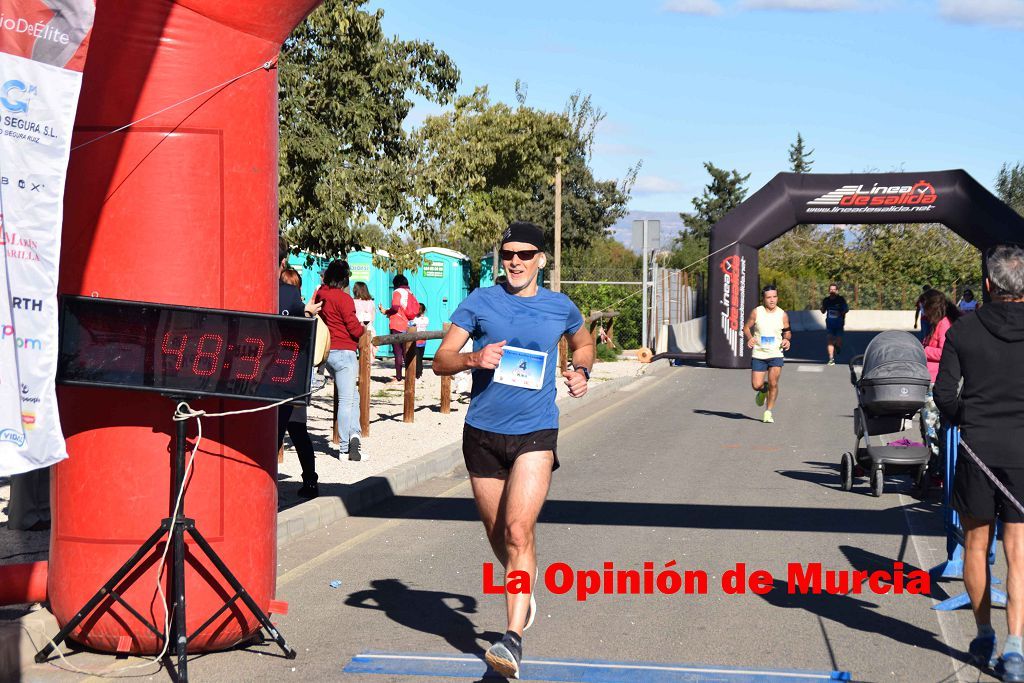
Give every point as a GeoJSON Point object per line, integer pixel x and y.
{"type": "Point", "coordinates": [1000, 13]}
{"type": "Point", "coordinates": [802, 5]}
{"type": "Point", "coordinates": [652, 184]}
{"type": "Point", "coordinates": [707, 8]}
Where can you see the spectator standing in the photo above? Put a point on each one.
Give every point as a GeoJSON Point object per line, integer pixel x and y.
{"type": "Point", "coordinates": [366, 311]}
{"type": "Point", "coordinates": [968, 304]}
{"type": "Point", "coordinates": [940, 314]}
{"type": "Point", "coordinates": [986, 352]}
{"type": "Point", "coordinates": [420, 322]}
{"type": "Point", "coordinates": [919, 311]}
{"type": "Point", "coordinates": [296, 422]}
{"type": "Point", "coordinates": [398, 319]}
{"type": "Point", "coordinates": [339, 313]}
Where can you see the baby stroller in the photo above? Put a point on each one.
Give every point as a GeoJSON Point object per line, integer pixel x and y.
{"type": "Point", "coordinates": [891, 388]}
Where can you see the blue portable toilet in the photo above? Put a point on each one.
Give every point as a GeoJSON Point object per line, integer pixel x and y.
{"type": "Point", "coordinates": [310, 273]}
{"type": "Point", "coordinates": [441, 283]}
{"type": "Point", "coordinates": [379, 283]}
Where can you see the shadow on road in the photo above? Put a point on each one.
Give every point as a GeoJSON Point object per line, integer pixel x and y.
{"type": "Point", "coordinates": [731, 516]}
{"type": "Point", "coordinates": [725, 414]}
{"type": "Point", "coordinates": [426, 611]}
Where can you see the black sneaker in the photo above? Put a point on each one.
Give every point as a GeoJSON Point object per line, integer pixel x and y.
{"type": "Point", "coordinates": [504, 656]}
{"type": "Point", "coordinates": [353, 448]}
{"type": "Point", "coordinates": [309, 491]}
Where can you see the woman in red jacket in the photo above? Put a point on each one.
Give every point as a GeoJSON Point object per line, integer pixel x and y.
{"type": "Point", "coordinates": [339, 313]}
{"type": "Point", "coordinates": [940, 313]}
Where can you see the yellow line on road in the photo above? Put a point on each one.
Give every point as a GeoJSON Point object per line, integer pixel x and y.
{"type": "Point", "coordinates": [309, 565]}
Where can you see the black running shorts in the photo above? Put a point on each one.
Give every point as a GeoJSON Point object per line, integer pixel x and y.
{"type": "Point", "coordinates": [489, 454]}
{"type": "Point", "coordinates": [974, 494]}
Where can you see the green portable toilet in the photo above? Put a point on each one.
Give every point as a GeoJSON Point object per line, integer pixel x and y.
{"type": "Point", "coordinates": [379, 283]}
{"type": "Point", "coordinates": [441, 283]}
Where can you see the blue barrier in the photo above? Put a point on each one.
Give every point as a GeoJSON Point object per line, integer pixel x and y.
{"type": "Point", "coordinates": [953, 566]}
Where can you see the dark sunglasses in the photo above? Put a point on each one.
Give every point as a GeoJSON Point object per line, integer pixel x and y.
{"type": "Point", "coordinates": [524, 255]}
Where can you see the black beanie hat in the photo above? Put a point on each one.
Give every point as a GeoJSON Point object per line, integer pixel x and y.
{"type": "Point", "coordinates": [527, 233]}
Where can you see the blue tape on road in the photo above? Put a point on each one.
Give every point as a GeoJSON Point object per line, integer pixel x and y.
{"type": "Point", "coordinates": [585, 671]}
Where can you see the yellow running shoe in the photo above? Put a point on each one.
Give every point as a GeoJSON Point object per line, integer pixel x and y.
{"type": "Point", "coordinates": [767, 417]}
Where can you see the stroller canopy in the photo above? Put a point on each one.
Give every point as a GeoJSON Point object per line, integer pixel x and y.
{"type": "Point", "coordinates": [895, 358]}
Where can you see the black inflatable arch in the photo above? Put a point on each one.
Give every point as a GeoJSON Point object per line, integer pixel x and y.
{"type": "Point", "coordinates": [952, 198]}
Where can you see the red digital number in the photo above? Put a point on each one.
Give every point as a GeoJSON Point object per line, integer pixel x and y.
{"type": "Point", "coordinates": [253, 358]}
{"type": "Point", "coordinates": [213, 357]}
{"type": "Point", "coordinates": [179, 352]}
{"type": "Point", "coordinates": [289, 363]}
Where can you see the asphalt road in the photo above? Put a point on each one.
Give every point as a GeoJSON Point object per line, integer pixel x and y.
{"type": "Point", "coordinates": [675, 467]}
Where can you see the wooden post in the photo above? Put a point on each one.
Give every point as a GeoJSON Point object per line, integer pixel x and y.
{"type": "Point", "coordinates": [409, 409]}
{"type": "Point", "coordinates": [446, 386]}
{"type": "Point", "coordinates": [563, 355]}
{"type": "Point", "coordinates": [855, 303]}
{"type": "Point", "coordinates": [365, 348]}
{"type": "Point", "coordinates": [335, 438]}
{"type": "Point", "coordinates": [556, 281]}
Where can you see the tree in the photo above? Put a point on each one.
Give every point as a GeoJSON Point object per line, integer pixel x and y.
{"type": "Point", "coordinates": [345, 161]}
{"type": "Point", "coordinates": [480, 165]}
{"type": "Point", "coordinates": [1010, 186]}
{"type": "Point", "coordinates": [721, 195]}
{"type": "Point", "coordinates": [589, 206]}
{"type": "Point", "coordinates": [799, 158]}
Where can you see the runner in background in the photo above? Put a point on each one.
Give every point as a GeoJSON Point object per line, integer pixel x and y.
{"type": "Point", "coordinates": [768, 334]}
{"type": "Point", "coordinates": [835, 308]}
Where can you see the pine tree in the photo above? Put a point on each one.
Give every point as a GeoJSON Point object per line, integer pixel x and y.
{"type": "Point", "coordinates": [721, 195]}
{"type": "Point", "coordinates": [1010, 186]}
{"type": "Point", "coordinates": [799, 159]}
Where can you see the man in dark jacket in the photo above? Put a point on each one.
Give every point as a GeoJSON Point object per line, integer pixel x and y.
{"type": "Point", "coordinates": [986, 351]}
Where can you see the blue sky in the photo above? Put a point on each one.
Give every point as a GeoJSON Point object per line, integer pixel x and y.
{"type": "Point", "coordinates": [870, 84]}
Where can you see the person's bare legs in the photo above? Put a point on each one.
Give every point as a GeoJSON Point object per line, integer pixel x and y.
{"type": "Point", "coordinates": [977, 539]}
{"type": "Point", "coordinates": [757, 380]}
{"type": "Point", "coordinates": [509, 509]}
{"type": "Point", "coordinates": [1013, 546]}
{"type": "Point", "coordinates": [773, 386]}
{"type": "Point", "coordinates": [489, 494]}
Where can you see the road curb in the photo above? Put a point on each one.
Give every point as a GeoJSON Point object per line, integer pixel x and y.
{"type": "Point", "coordinates": [350, 499]}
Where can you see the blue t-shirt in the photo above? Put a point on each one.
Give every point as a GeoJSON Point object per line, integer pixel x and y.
{"type": "Point", "coordinates": [491, 314]}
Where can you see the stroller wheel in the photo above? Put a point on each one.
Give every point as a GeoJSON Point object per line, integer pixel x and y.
{"type": "Point", "coordinates": [846, 471]}
{"type": "Point", "coordinates": [877, 481]}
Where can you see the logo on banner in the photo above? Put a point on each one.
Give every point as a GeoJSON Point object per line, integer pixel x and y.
{"type": "Point", "coordinates": [15, 96]}
{"type": "Point", "coordinates": [734, 285]}
{"type": "Point", "coordinates": [22, 303]}
{"type": "Point", "coordinates": [12, 436]}
{"type": "Point", "coordinates": [852, 198]}
{"type": "Point", "coordinates": [24, 343]}
{"type": "Point", "coordinates": [37, 30]}
{"type": "Point", "coordinates": [22, 184]}
{"type": "Point", "coordinates": [21, 248]}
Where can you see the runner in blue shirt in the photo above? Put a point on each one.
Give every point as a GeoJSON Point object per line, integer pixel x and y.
{"type": "Point", "coordinates": [510, 439]}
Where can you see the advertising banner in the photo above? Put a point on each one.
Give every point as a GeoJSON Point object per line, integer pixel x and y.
{"type": "Point", "coordinates": [42, 49]}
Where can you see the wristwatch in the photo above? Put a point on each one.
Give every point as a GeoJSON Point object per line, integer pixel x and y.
{"type": "Point", "coordinates": [586, 373]}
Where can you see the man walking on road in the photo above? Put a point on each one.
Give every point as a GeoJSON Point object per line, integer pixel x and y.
{"type": "Point", "coordinates": [986, 351]}
{"type": "Point", "coordinates": [768, 334]}
{"type": "Point", "coordinates": [835, 308]}
{"type": "Point", "coordinates": [510, 438]}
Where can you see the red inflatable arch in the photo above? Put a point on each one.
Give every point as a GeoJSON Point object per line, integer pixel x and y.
{"type": "Point", "coordinates": [180, 209]}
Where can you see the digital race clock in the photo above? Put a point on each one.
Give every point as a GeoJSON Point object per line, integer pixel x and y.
{"type": "Point", "coordinates": [184, 350]}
